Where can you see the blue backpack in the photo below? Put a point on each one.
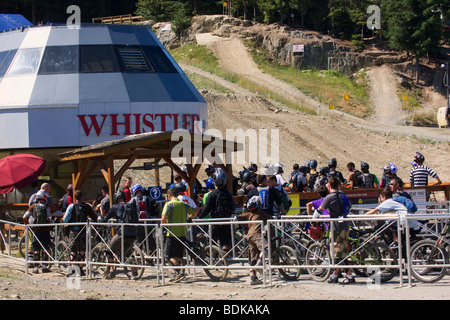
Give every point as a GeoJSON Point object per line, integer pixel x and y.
{"type": "Point", "coordinates": [408, 203]}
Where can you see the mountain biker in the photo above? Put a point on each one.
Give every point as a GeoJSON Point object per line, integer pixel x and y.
{"type": "Point", "coordinates": [268, 195]}
{"type": "Point", "coordinates": [118, 211]}
{"type": "Point", "coordinates": [339, 206]}
{"type": "Point", "coordinates": [175, 211]}
{"type": "Point", "coordinates": [312, 175]}
{"type": "Point", "coordinates": [353, 175]}
{"type": "Point", "coordinates": [389, 204]}
{"type": "Point", "coordinates": [39, 213]}
{"type": "Point", "coordinates": [78, 212]}
{"type": "Point", "coordinates": [314, 205]}
{"type": "Point", "coordinates": [247, 182]}
{"type": "Point", "coordinates": [386, 176]}
{"type": "Point", "coordinates": [292, 179]}
{"type": "Point", "coordinates": [66, 199]}
{"type": "Point", "coordinates": [254, 234]}
{"type": "Point", "coordinates": [322, 179]}
{"type": "Point", "coordinates": [332, 164]}
{"type": "Point", "coordinates": [420, 172]}
{"type": "Point", "coordinates": [220, 204]}
{"type": "Point", "coordinates": [127, 188]}
{"type": "Point", "coordinates": [366, 179]}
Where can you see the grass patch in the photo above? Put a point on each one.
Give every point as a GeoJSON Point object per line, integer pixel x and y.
{"type": "Point", "coordinates": [329, 86]}
{"type": "Point", "coordinates": [201, 82]}
{"type": "Point", "coordinates": [202, 57]}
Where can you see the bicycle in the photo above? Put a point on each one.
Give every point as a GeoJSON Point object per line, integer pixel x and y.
{"type": "Point", "coordinates": [133, 261]}
{"type": "Point", "coordinates": [318, 253]}
{"type": "Point", "coordinates": [200, 253]}
{"type": "Point", "coordinates": [427, 255]}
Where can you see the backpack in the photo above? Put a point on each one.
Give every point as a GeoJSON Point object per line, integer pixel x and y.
{"type": "Point", "coordinates": [79, 213]}
{"type": "Point", "coordinates": [320, 181]}
{"type": "Point", "coordinates": [312, 180]}
{"type": "Point", "coordinates": [224, 204]}
{"type": "Point", "coordinates": [408, 203]}
{"type": "Point", "coordinates": [130, 214]}
{"type": "Point", "coordinates": [41, 214]}
{"type": "Point", "coordinates": [293, 181]}
{"type": "Point", "coordinates": [264, 196]}
{"type": "Point", "coordinates": [286, 201]}
{"type": "Point", "coordinates": [366, 180]}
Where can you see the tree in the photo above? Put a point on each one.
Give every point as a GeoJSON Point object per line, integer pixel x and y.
{"type": "Point", "coordinates": [414, 26]}
{"type": "Point", "coordinates": [181, 21]}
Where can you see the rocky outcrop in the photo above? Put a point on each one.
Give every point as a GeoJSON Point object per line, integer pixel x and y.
{"type": "Point", "coordinates": [320, 51]}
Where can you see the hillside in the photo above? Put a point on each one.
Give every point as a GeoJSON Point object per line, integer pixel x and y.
{"type": "Point", "coordinates": [377, 140]}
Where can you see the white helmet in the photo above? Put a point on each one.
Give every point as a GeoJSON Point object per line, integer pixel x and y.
{"type": "Point", "coordinates": [41, 195]}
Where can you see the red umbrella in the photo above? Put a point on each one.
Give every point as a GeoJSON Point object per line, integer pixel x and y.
{"type": "Point", "coordinates": [19, 170]}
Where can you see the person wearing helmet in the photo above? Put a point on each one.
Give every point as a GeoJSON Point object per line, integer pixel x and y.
{"type": "Point", "coordinates": [322, 179]}
{"type": "Point", "coordinates": [220, 204]}
{"type": "Point", "coordinates": [267, 192]}
{"type": "Point", "coordinates": [122, 213]}
{"type": "Point", "coordinates": [388, 175]}
{"type": "Point", "coordinates": [39, 213]}
{"type": "Point", "coordinates": [254, 235]}
{"type": "Point", "coordinates": [366, 179]}
{"type": "Point", "coordinates": [332, 165]}
{"type": "Point", "coordinates": [420, 172]}
{"type": "Point", "coordinates": [279, 175]}
{"type": "Point", "coordinates": [247, 182]}
{"type": "Point", "coordinates": [78, 212]}
{"type": "Point", "coordinates": [339, 207]}
{"type": "Point", "coordinates": [146, 208]}
{"type": "Point", "coordinates": [312, 175]}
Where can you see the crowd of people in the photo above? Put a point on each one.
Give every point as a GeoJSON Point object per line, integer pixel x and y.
{"type": "Point", "coordinates": [266, 195]}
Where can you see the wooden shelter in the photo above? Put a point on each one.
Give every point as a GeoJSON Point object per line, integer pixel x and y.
{"type": "Point", "coordinates": [153, 145]}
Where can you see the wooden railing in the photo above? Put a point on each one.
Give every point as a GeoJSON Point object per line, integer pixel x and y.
{"type": "Point", "coordinates": [123, 19]}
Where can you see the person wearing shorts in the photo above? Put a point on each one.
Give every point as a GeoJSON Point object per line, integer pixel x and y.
{"type": "Point", "coordinates": [176, 211]}
{"type": "Point", "coordinates": [338, 205]}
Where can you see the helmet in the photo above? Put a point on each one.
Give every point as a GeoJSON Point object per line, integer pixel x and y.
{"type": "Point", "coordinates": [332, 162]}
{"type": "Point", "coordinates": [135, 188]}
{"type": "Point", "coordinates": [210, 169]}
{"type": "Point", "coordinates": [119, 194]}
{"type": "Point", "coordinates": [70, 187]}
{"type": "Point", "coordinates": [313, 163]}
{"type": "Point", "coordinates": [386, 170]}
{"type": "Point", "coordinates": [209, 183]}
{"type": "Point", "coordinates": [419, 157]}
{"type": "Point", "coordinates": [41, 195]}
{"type": "Point", "coordinates": [247, 176]}
{"type": "Point", "coordinates": [324, 170]}
{"type": "Point", "coordinates": [253, 167]}
{"type": "Point", "coordinates": [393, 168]}
{"type": "Point", "coordinates": [303, 169]}
{"type": "Point", "coordinates": [220, 178]}
{"type": "Point", "coordinates": [364, 165]}
{"type": "Point", "coordinates": [254, 203]}
{"type": "Point", "coordinates": [179, 187]}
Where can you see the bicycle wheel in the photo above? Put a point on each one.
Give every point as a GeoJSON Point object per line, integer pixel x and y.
{"type": "Point", "coordinates": [318, 255]}
{"type": "Point", "coordinates": [426, 252]}
{"type": "Point", "coordinates": [63, 255]}
{"type": "Point", "coordinates": [287, 256]}
{"type": "Point", "coordinates": [134, 256]}
{"type": "Point", "coordinates": [21, 246]}
{"type": "Point", "coordinates": [214, 258]}
{"type": "Point", "coordinates": [377, 254]}
{"type": "Point", "coordinates": [98, 256]}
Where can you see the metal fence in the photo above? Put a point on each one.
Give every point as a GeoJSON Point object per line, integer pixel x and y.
{"type": "Point", "coordinates": [207, 256]}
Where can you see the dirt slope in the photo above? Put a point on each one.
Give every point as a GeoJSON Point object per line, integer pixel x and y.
{"type": "Point", "coordinates": [331, 134]}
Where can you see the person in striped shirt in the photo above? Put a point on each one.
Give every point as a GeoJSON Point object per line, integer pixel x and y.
{"type": "Point", "coordinates": [420, 172]}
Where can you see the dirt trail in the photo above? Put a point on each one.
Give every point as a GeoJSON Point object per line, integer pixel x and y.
{"type": "Point", "coordinates": [383, 87]}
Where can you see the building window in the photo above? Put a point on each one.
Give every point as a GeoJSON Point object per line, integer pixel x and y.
{"type": "Point", "coordinates": [99, 58]}
{"type": "Point", "coordinates": [6, 57]}
{"type": "Point", "coordinates": [62, 59]}
{"type": "Point", "coordinates": [133, 59]}
{"type": "Point", "coordinates": [26, 62]}
{"type": "Point", "coordinates": [159, 60]}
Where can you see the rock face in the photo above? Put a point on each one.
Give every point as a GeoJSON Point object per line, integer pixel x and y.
{"type": "Point", "coordinates": [320, 51]}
